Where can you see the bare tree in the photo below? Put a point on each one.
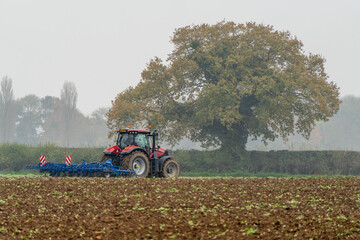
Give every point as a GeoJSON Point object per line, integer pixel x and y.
{"type": "Point", "coordinates": [69, 100]}
{"type": "Point", "coordinates": [7, 110]}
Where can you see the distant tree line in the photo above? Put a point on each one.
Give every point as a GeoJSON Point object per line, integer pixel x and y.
{"type": "Point", "coordinates": [32, 120]}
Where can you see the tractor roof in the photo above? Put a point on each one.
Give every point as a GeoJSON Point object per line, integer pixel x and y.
{"type": "Point", "coordinates": [133, 130]}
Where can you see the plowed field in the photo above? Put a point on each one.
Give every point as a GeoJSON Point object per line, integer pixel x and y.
{"type": "Point", "coordinates": [216, 208]}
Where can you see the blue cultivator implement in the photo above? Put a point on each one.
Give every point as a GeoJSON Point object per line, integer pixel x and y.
{"type": "Point", "coordinates": [104, 169]}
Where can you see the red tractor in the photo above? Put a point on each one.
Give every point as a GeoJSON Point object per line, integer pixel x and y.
{"type": "Point", "coordinates": [134, 152]}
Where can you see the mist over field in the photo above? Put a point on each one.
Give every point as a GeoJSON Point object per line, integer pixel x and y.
{"type": "Point", "coordinates": [256, 103]}
{"type": "Point", "coordinates": [32, 120]}
{"type": "Point", "coordinates": [61, 64]}
{"type": "Point", "coordinates": [256, 106]}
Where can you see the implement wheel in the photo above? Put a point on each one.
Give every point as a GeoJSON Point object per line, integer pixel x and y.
{"type": "Point", "coordinates": [139, 162]}
{"type": "Point", "coordinates": [170, 169]}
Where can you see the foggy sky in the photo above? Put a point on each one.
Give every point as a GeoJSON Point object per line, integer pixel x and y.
{"type": "Point", "coordinates": [102, 46]}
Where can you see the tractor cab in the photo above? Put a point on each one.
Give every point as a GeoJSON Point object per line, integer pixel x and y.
{"type": "Point", "coordinates": [128, 138]}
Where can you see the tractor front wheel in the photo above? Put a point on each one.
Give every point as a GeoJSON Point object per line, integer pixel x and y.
{"type": "Point", "coordinates": [105, 158]}
{"type": "Point", "coordinates": [139, 162]}
{"type": "Point", "coordinates": [114, 159]}
{"type": "Point", "coordinates": [170, 169]}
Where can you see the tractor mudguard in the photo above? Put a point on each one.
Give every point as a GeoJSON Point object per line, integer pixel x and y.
{"type": "Point", "coordinates": [130, 149]}
{"type": "Point", "coordinates": [163, 159]}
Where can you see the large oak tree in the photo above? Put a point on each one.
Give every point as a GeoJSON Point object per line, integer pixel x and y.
{"type": "Point", "coordinates": [226, 82]}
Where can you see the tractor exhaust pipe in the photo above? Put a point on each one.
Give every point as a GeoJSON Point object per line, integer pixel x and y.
{"type": "Point", "coordinates": [155, 158]}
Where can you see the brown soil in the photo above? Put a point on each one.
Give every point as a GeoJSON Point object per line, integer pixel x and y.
{"type": "Point", "coordinates": [230, 208]}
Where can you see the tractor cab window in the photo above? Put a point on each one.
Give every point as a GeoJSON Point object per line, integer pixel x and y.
{"type": "Point", "coordinates": [142, 141]}
{"type": "Point", "coordinates": [125, 140]}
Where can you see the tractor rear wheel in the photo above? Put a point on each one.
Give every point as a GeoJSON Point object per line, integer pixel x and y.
{"type": "Point", "coordinates": [137, 161]}
{"type": "Point", "coordinates": [170, 169]}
